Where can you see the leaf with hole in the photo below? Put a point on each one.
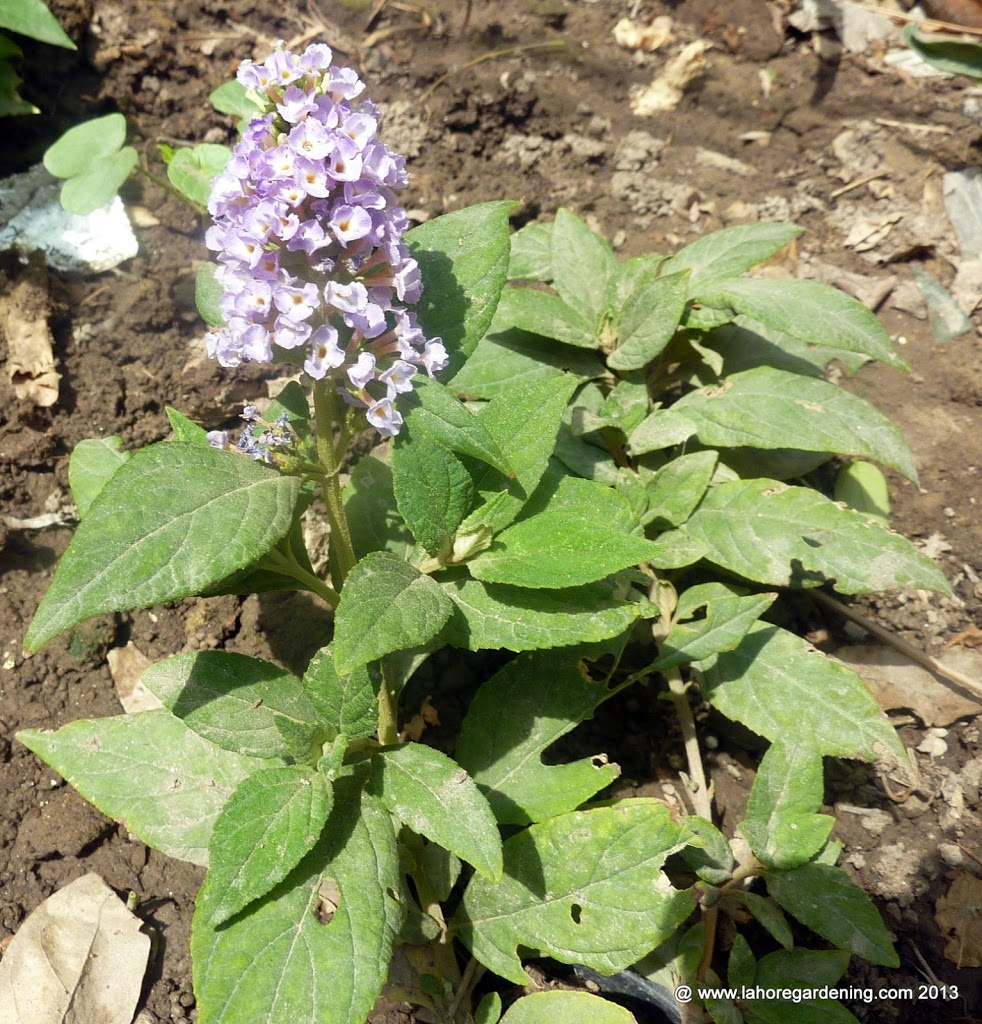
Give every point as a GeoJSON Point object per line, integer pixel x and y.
{"type": "Point", "coordinates": [515, 717]}
{"type": "Point", "coordinates": [769, 532]}
{"type": "Point", "coordinates": [337, 907]}
{"type": "Point", "coordinates": [583, 888]}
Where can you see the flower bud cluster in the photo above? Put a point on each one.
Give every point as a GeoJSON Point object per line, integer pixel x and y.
{"type": "Point", "coordinates": [309, 237]}
{"type": "Point", "coordinates": [259, 439]}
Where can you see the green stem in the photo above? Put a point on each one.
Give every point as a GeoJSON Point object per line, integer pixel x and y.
{"type": "Point", "coordinates": [388, 710]}
{"type": "Point", "coordinates": [168, 187]}
{"type": "Point", "coordinates": [327, 413]}
{"type": "Point", "coordinates": [278, 561]}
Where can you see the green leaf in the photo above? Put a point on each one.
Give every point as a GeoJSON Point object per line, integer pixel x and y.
{"type": "Point", "coordinates": [580, 540]}
{"type": "Point", "coordinates": [488, 616]}
{"type": "Point", "coordinates": [531, 253]}
{"type": "Point", "coordinates": [76, 151]}
{"type": "Point", "coordinates": [732, 251]}
{"type": "Point", "coordinates": [770, 408]}
{"type": "Point", "coordinates": [818, 1011]}
{"type": "Point", "coordinates": [771, 533]}
{"type": "Point", "coordinates": [149, 770]}
{"type": "Point", "coordinates": [545, 314]}
{"type": "Point", "coordinates": [238, 703]}
{"type": "Point", "coordinates": [280, 961]}
{"type": "Point", "coordinates": [32, 18]}
{"type": "Point", "coordinates": [514, 718]}
{"type": "Point", "coordinates": [827, 901]}
{"type": "Point", "coordinates": [507, 358]}
{"type": "Point", "coordinates": [524, 424]}
{"type": "Point", "coordinates": [728, 618]}
{"type": "Point", "coordinates": [96, 186]}
{"type": "Point", "coordinates": [488, 1010]}
{"type": "Point", "coordinates": [208, 295]}
{"type": "Point", "coordinates": [807, 311]}
{"type": "Point", "coordinates": [633, 275]}
{"type": "Point", "coordinates": [347, 704]}
{"type": "Point", "coordinates": [649, 320]}
{"type": "Point", "coordinates": [12, 104]}
{"type": "Point", "coordinates": [433, 490]}
{"type": "Point", "coordinates": [781, 824]}
{"type": "Point", "coordinates": [386, 605]}
{"type": "Point", "coordinates": [769, 915]}
{"type": "Point", "coordinates": [233, 98]}
{"type": "Point", "coordinates": [953, 55]}
{"type": "Point", "coordinates": [742, 965]}
{"type": "Point", "coordinates": [193, 169]}
{"type": "Point", "coordinates": [269, 824]}
{"type": "Point", "coordinates": [370, 506]}
{"type": "Point", "coordinates": [583, 265]}
{"type": "Point", "coordinates": [568, 1007]}
{"type": "Point", "coordinates": [434, 409]}
{"type": "Point", "coordinates": [863, 487]}
{"type": "Point", "coordinates": [779, 686]}
{"type": "Point", "coordinates": [92, 465]}
{"type": "Point", "coordinates": [678, 487]}
{"type": "Point", "coordinates": [435, 797]}
{"type": "Point", "coordinates": [185, 429]}
{"type": "Point", "coordinates": [628, 403]}
{"type": "Point", "coordinates": [173, 520]}
{"type": "Point", "coordinates": [713, 862]}
{"type": "Point", "coordinates": [664, 428]}
{"type": "Point", "coordinates": [745, 344]}
{"type": "Point", "coordinates": [583, 888]}
{"type": "Point", "coordinates": [463, 259]}
{"type": "Point", "coordinates": [801, 968]}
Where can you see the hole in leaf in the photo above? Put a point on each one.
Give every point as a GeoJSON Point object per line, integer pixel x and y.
{"type": "Point", "coordinates": [576, 912]}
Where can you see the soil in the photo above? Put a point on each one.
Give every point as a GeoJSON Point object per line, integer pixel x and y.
{"type": "Point", "coordinates": [527, 99]}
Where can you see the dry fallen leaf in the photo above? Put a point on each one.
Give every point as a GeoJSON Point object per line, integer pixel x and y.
{"type": "Point", "coordinates": [665, 92]}
{"type": "Point", "coordinates": [126, 666]}
{"type": "Point", "coordinates": [24, 323]}
{"type": "Point", "coordinates": [416, 726]}
{"type": "Point", "coordinates": [897, 682]}
{"type": "Point", "coordinates": [959, 916]}
{"type": "Point", "coordinates": [80, 957]}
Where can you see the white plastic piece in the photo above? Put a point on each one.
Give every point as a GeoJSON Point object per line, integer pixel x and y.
{"type": "Point", "coordinates": [32, 219]}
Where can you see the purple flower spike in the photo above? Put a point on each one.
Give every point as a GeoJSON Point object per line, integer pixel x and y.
{"type": "Point", "coordinates": [309, 240]}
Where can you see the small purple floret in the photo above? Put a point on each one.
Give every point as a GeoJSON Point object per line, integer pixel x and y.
{"type": "Point", "coordinates": [309, 240]}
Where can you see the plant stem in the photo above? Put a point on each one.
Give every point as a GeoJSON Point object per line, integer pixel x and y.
{"type": "Point", "coordinates": [388, 710]}
{"type": "Point", "coordinates": [326, 414]}
{"type": "Point", "coordinates": [200, 210]}
{"type": "Point", "coordinates": [278, 561]}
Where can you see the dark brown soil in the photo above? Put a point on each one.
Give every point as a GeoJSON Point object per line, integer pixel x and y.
{"type": "Point", "coordinates": [484, 110]}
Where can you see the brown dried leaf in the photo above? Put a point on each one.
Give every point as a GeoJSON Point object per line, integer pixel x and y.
{"type": "Point", "coordinates": [126, 666]}
{"type": "Point", "coordinates": [79, 957]}
{"type": "Point", "coordinates": [24, 323]}
{"type": "Point", "coordinates": [898, 682]}
{"type": "Point", "coordinates": [959, 916]}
